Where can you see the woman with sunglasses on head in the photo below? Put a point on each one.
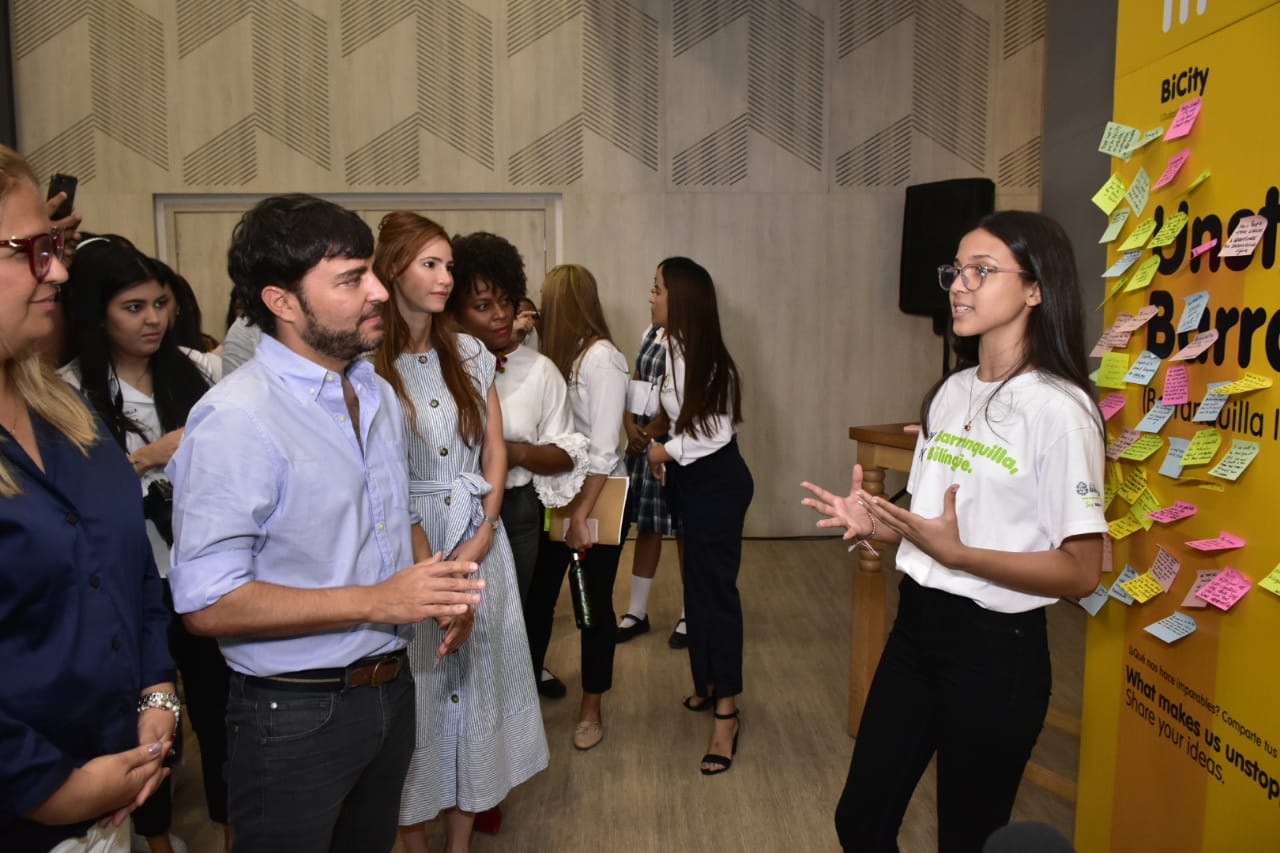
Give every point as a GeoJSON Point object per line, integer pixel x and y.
{"type": "Point", "coordinates": [546, 458]}
{"type": "Point", "coordinates": [479, 723]}
{"type": "Point", "coordinates": [87, 701]}
{"type": "Point", "coordinates": [130, 367]}
{"type": "Point", "coordinates": [576, 338]}
{"type": "Point", "coordinates": [710, 488]}
{"type": "Point", "coordinates": [1006, 517]}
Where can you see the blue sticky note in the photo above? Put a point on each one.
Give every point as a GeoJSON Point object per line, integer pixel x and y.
{"type": "Point", "coordinates": [1118, 592]}
{"type": "Point", "coordinates": [1172, 465]}
{"type": "Point", "coordinates": [1196, 303]}
{"type": "Point", "coordinates": [1143, 369]}
{"type": "Point", "coordinates": [1125, 261]}
{"type": "Point", "coordinates": [1093, 602]}
{"type": "Point", "coordinates": [1173, 627]}
{"type": "Point", "coordinates": [1212, 405]}
{"type": "Point", "coordinates": [1156, 418]}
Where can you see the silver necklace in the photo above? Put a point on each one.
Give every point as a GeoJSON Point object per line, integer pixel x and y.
{"type": "Point", "coordinates": [969, 413]}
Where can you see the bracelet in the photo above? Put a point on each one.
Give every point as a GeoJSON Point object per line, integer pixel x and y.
{"type": "Point", "coordinates": [492, 521]}
{"type": "Point", "coordinates": [165, 701]}
{"type": "Point", "coordinates": [863, 541]}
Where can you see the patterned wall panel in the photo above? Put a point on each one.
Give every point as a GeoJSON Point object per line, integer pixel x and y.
{"type": "Point", "coordinates": [694, 20]}
{"type": "Point", "coordinates": [1020, 168]}
{"type": "Point", "coordinates": [785, 78]}
{"type": "Point", "coordinates": [881, 161]}
{"type": "Point", "coordinates": [861, 21]}
{"type": "Point", "coordinates": [554, 158]}
{"type": "Point", "coordinates": [390, 158]}
{"type": "Point", "coordinates": [35, 22]}
{"type": "Point", "coordinates": [951, 81]}
{"type": "Point", "coordinates": [227, 160]}
{"type": "Point", "coordinates": [1025, 23]}
{"type": "Point", "coordinates": [71, 151]}
{"type": "Point", "coordinates": [719, 159]}
{"type": "Point", "coordinates": [620, 78]}
{"type": "Point", "coordinates": [364, 20]}
{"type": "Point", "coordinates": [530, 20]}
{"type": "Point", "coordinates": [201, 21]}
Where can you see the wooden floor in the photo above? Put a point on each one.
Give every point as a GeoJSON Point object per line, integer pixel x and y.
{"type": "Point", "coordinates": [640, 790]}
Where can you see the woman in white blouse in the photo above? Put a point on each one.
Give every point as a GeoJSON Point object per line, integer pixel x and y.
{"type": "Point", "coordinates": [710, 489]}
{"type": "Point", "coordinates": [576, 338]}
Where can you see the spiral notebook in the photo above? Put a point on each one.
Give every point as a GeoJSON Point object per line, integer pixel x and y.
{"type": "Point", "coordinates": [605, 520]}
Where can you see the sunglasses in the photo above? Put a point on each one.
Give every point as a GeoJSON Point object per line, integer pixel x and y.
{"type": "Point", "coordinates": [41, 250]}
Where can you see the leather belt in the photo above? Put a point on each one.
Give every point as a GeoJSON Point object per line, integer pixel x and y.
{"type": "Point", "coordinates": [367, 672]}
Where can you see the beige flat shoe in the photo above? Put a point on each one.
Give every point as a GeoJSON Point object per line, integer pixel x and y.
{"type": "Point", "coordinates": [587, 734]}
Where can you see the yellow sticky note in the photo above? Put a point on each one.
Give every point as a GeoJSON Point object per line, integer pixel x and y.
{"type": "Point", "coordinates": [1134, 485]}
{"type": "Point", "coordinates": [1115, 288]}
{"type": "Point", "coordinates": [1110, 195]}
{"type": "Point", "coordinates": [1204, 176]}
{"type": "Point", "coordinates": [1204, 444]}
{"type": "Point", "coordinates": [1144, 447]}
{"type": "Point", "coordinates": [1115, 365]}
{"type": "Point", "coordinates": [1140, 235]}
{"type": "Point", "coordinates": [1108, 495]}
{"type": "Point", "coordinates": [1271, 583]}
{"type": "Point", "coordinates": [1143, 275]}
{"type": "Point", "coordinates": [1169, 231]}
{"type": "Point", "coordinates": [1122, 527]}
{"type": "Point", "coordinates": [1145, 503]}
{"type": "Point", "coordinates": [1249, 382]}
{"type": "Point", "coordinates": [1139, 191]}
{"type": "Point", "coordinates": [1143, 588]}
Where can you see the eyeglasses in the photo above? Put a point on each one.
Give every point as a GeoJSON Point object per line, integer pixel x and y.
{"type": "Point", "coordinates": [947, 275]}
{"type": "Point", "coordinates": [41, 250]}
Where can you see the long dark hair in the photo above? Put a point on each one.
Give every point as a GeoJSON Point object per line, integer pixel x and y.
{"type": "Point", "coordinates": [189, 321]}
{"type": "Point", "coordinates": [1055, 328]}
{"type": "Point", "coordinates": [401, 236]}
{"type": "Point", "coordinates": [105, 266]}
{"type": "Point", "coordinates": [712, 384]}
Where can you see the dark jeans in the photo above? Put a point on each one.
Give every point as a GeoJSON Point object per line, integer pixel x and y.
{"type": "Point", "coordinates": [971, 685]}
{"type": "Point", "coordinates": [522, 516]}
{"type": "Point", "coordinates": [316, 770]}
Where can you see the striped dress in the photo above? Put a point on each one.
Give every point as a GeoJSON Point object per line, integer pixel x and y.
{"type": "Point", "coordinates": [479, 722]}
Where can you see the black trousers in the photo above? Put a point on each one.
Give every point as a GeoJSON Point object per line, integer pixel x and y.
{"type": "Point", "coordinates": [710, 497]}
{"type": "Point", "coordinates": [971, 685]}
{"type": "Point", "coordinates": [522, 515]}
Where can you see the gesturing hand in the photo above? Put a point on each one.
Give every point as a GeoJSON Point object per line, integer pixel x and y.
{"type": "Point", "coordinates": [425, 590]}
{"type": "Point", "coordinates": [851, 512]}
{"type": "Point", "coordinates": [939, 537]}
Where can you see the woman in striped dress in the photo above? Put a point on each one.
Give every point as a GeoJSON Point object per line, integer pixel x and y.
{"type": "Point", "coordinates": [479, 722]}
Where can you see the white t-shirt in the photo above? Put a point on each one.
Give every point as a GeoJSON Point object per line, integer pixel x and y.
{"type": "Point", "coordinates": [1030, 471]}
{"type": "Point", "coordinates": [535, 409]}
{"type": "Point", "coordinates": [684, 447]}
{"type": "Point", "coordinates": [597, 396]}
{"type": "Point", "coordinates": [141, 410]}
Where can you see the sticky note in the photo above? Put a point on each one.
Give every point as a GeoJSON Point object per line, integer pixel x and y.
{"type": "Point", "coordinates": [1143, 275]}
{"type": "Point", "coordinates": [1122, 527]}
{"type": "Point", "coordinates": [1118, 140]}
{"type": "Point", "coordinates": [1155, 419]}
{"type": "Point", "coordinates": [1143, 588]}
{"type": "Point", "coordinates": [1177, 512]}
{"type": "Point", "coordinates": [1112, 338]}
{"type": "Point", "coordinates": [1147, 138]}
{"type": "Point", "coordinates": [1204, 445]}
{"type": "Point", "coordinates": [1245, 238]}
{"type": "Point", "coordinates": [1148, 444]}
{"type": "Point", "coordinates": [1169, 231]}
{"type": "Point", "coordinates": [1172, 628]}
{"type": "Point", "coordinates": [1140, 235]}
{"type": "Point", "coordinates": [1208, 410]}
{"type": "Point", "coordinates": [1115, 288]}
{"type": "Point", "coordinates": [1193, 312]}
{"type": "Point", "coordinates": [1111, 404]}
{"type": "Point", "coordinates": [1184, 120]}
{"type": "Point", "coordinates": [1113, 369]}
{"type": "Point", "coordinates": [1202, 577]}
{"type": "Point", "coordinates": [1143, 368]}
{"type": "Point", "coordinates": [1231, 466]}
{"type": "Point", "coordinates": [1110, 194]}
{"type": "Point", "coordinates": [1128, 437]}
{"type": "Point", "coordinates": [1203, 247]}
{"type": "Point", "coordinates": [1201, 342]}
{"type": "Point", "coordinates": [1132, 322]}
{"type": "Point", "coordinates": [1118, 219]}
{"type": "Point", "coordinates": [1117, 589]}
{"type": "Point", "coordinates": [1224, 541]}
{"type": "Point", "coordinates": [1176, 388]}
{"type": "Point", "coordinates": [1123, 263]}
{"type": "Point", "coordinates": [1165, 568]}
{"type": "Point", "coordinates": [1226, 589]}
{"type": "Point", "coordinates": [1133, 485]}
{"type": "Point", "coordinates": [1271, 583]}
{"type": "Point", "coordinates": [1142, 508]}
{"type": "Point", "coordinates": [1139, 191]}
{"type": "Point", "coordinates": [1244, 385]}
{"type": "Point", "coordinates": [1194, 185]}
{"type": "Point", "coordinates": [1093, 602]}
{"type": "Point", "coordinates": [1172, 464]}
{"type": "Point", "coordinates": [1171, 171]}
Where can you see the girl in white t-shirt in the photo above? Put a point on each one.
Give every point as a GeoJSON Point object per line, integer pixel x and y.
{"type": "Point", "coordinates": [1006, 517]}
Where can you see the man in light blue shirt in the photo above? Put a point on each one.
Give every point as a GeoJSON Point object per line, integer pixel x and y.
{"type": "Point", "coordinates": [295, 545]}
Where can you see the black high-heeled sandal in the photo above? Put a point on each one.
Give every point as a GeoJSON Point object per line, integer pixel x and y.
{"type": "Point", "coordinates": [725, 761]}
{"type": "Point", "coordinates": [705, 705]}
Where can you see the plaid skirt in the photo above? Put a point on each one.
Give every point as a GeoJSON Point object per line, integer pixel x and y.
{"type": "Point", "coordinates": [653, 515]}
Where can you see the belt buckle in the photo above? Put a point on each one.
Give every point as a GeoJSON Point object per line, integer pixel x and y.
{"type": "Point", "coordinates": [393, 665]}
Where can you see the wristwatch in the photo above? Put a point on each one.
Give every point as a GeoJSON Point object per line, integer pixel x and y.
{"type": "Point", "coordinates": [166, 701]}
{"type": "Point", "coordinates": [492, 520]}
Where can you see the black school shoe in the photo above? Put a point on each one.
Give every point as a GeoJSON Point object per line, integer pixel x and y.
{"type": "Point", "coordinates": [635, 629]}
{"type": "Point", "coordinates": [678, 639]}
{"type": "Point", "coordinates": [550, 686]}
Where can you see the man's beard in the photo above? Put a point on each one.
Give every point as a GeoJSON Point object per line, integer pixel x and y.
{"type": "Point", "coordinates": [342, 345]}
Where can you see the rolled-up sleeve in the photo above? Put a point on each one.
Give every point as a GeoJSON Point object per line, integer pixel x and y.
{"type": "Point", "coordinates": [226, 482]}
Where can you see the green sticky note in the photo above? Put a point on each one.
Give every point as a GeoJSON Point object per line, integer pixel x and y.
{"type": "Point", "coordinates": [1169, 231]}
{"type": "Point", "coordinates": [1140, 235]}
{"type": "Point", "coordinates": [1143, 447]}
{"type": "Point", "coordinates": [1204, 445]}
{"type": "Point", "coordinates": [1144, 274]}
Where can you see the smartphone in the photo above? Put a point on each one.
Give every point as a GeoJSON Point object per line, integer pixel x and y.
{"type": "Point", "coordinates": [60, 183]}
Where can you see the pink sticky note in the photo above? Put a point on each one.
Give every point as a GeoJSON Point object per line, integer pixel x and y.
{"type": "Point", "coordinates": [1165, 568]}
{"type": "Point", "coordinates": [1170, 514]}
{"type": "Point", "coordinates": [1244, 239]}
{"type": "Point", "coordinates": [1204, 247]}
{"type": "Point", "coordinates": [1176, 390]}
{"type": "Point", "coordinates": [1111, 404]}
{"type": "Point", "coordinates": [1202, 578]}
{"type": "Point", "coordinates": [1184, 120]}
{"type": "Point", "coordinates": [1121, 444]}
{"type": "Point", "coordinates": [1223, 542]}
{"type": "Point", "coordinates": [1171, 171]}
{"type": "Point", "coordinates": [1199, 344]}
{"type": "Point", "coordinates": [1134, 322]}
{"type": "Point", "coordinates": [1226, 589]}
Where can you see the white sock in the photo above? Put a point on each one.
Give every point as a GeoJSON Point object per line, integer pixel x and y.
{"type": "Point", "coordinates": [640, 597]}
{"type": "Point", "coordinates": [681, 625]}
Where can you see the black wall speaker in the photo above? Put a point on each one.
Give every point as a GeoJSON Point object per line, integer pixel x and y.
{"type": "Point", "coordinates": [937, 215]}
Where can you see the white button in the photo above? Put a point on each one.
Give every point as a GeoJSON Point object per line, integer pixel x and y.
{"type": "Point", "coordinates": [342, 419]}
{"type": "Point", "coordinates": [274, 706]}
{"type": "Point", "coordinates": [380, 525]}
{"type": "Point", "coordinates": [329, 377]}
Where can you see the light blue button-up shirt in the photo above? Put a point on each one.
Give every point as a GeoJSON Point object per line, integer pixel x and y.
{"type": "Point", "coordinates": [271, 485]}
